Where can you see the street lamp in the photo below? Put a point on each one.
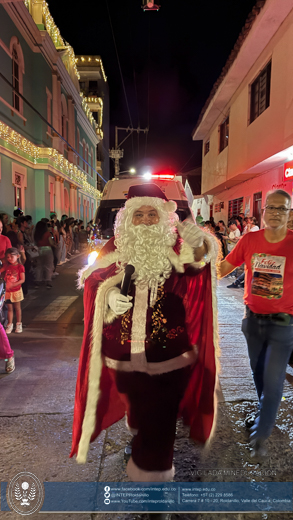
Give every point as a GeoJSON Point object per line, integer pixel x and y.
{"type": "Point", "coordinates": [132, 170]}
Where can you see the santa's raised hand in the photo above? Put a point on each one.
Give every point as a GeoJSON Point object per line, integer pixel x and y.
{"type": "Point", "coordinates": [190, 233]}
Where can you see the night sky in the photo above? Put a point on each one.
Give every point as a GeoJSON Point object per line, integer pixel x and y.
{"type": "Point", "coordinates": [170, 60]}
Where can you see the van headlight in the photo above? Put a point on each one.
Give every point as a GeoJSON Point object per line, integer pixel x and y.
{"type": "Point", "coordinates": [92, 257]}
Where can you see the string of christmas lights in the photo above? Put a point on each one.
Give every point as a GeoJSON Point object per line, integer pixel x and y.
{"type": "Point", "coordinates": [97, 100]}
{"type": "Point", "coordinates": [37, 154]}
{"type": "Point", "coordinates": [98, 60]}
{"type": "Point", "coordinates": [58, 41]}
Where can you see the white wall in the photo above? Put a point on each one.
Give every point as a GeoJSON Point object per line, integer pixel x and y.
{"type": "Point", "coordinates": [271, 180]}
{"type": "Point", "coordinates": [270, 133]}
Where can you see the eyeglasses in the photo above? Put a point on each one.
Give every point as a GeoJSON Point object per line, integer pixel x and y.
{"type": "Point", "coordinates": [273, 209]}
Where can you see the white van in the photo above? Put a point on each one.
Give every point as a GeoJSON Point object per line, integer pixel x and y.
{"type": "Point", "coordinates": [115, 195]}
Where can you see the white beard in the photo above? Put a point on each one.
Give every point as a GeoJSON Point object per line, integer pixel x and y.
{"type": "Point", "coordinates": [147, 248]}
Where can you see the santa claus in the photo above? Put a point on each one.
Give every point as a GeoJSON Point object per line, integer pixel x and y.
{"type": "Point", "coordinates": [149, 355]}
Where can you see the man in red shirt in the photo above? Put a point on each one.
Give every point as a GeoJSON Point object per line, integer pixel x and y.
{"type": "Point", "coordinates": [268, 320]}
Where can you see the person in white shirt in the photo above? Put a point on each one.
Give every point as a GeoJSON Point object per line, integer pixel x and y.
{"type": "Point", "coordinates": [234, 235]}
{"type": "Point", "coordinates": [252, 224]}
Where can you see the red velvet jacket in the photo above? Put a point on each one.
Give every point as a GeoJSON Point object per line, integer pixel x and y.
{"type": "Point", "coordinates": [188, 311]}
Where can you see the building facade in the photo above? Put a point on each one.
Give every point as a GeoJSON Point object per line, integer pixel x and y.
{"type": "Point", "coordinates": [94, 88]}
{"type": "Point", "coordinates": [44, 122]}
{"type": "Point", "coordinates": [246, 125]}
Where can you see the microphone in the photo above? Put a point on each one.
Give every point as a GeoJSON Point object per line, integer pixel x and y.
{"type": "Point", "coordinates": [129, 270]}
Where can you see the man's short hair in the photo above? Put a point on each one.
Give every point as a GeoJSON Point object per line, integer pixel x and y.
{"type": "Point", "coordinates": [280, 192]}
{"type": "Point", "coordinates": [232, 222]}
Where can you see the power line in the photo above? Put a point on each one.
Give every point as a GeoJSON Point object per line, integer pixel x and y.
{"type": "Point", "coordinates": [187, 161]}
{"type": "Point", "coordinates": [117, 55]}
{"type": "Point", "coordinates": [148, 97]}
{"type": "Point", "coordinates": [49, 124]}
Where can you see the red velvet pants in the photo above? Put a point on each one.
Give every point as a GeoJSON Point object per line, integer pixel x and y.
{"type": "Point", "coordinates": [152, 403]}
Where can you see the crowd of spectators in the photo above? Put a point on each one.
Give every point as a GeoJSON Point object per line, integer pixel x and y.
{"type": "Point", "coordinates": [43, 246]}
{"type": "Point", "coordinates": [229, 234]}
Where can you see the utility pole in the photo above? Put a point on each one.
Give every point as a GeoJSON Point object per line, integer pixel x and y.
{"type": "Point", "coordinates": [116, 153]}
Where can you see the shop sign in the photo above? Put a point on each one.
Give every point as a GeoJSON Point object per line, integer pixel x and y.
{"type": "Point", "coordinates": [288, 171]}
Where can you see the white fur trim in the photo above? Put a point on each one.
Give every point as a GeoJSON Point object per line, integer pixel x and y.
{"type": "Point", "coordinates": [185, 256]}
{"type": "Point", "coordinates": [140, 475]}
{"type": "Point", "coordinates": [95, 368]}
{"type": "Point", "coordinates": [105, 261]}
{"type": "Point", "coordinates": [155, 202]}
{"type": "Point", "coordinates": [171, 206]}
{"type": "Point", "coordinates": [214, 259]}
{"type": "Point", "coordinates": [138, 329]}
{"type": "Point", "coordinates": [162, 367]}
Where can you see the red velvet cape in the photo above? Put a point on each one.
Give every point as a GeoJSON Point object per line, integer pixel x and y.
{"type": "Point", "coordinates": [197, 405]}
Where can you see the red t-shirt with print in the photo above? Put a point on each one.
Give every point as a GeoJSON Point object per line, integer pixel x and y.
{"type": "Point", "coordinates": [12, 274]}
{"type": "Point", "coordinates": [268, 272]}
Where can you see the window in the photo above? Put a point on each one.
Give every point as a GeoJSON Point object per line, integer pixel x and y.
{"type": "Point", "coordinates": [83, 154]}
{"type": "Point", "coordinates": [64, 119]}
{"type": "Point", "coordinates": [224, 134]}
{"type": "Point", "coordinates": [15, 80]}
{"type": "Point", "coordinates": [87, 159]}
{"type": "Point", "coordinates": [206, 147]}
{"type": "Point", "coordinates": [235, 207]}
{"type": "Point", "coordinates": [66, 201]}
{"type": "Point", "coordinates": [49, 110]}
{"type": "Point", "coordinates": [260, 93]}
{"type": "Point", "coordinates": [219, 207]}
{"type": "Point", "coordinates": [19, 182]}
{"type": "Point", "coordinates": [92, 163]}
{"type": "Point", "coordinates": [52, 207]}
{"type": "Point", "coordinates": [257, 199]}
{"type": "Point", "coordinates": [77, 145]}
{"type": "Point", "coordinates": [17, 74]}
{"type": "Point", "coordinates": [17, 196]}
{"type": "Point", "coordinates": [93, 87]}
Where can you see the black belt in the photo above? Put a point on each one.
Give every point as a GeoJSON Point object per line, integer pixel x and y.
{"type": "Point", "coordinates": [281, 318]}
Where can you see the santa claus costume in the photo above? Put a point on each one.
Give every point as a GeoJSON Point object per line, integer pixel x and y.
{"type": "Point", "coordinates": [156, 362]}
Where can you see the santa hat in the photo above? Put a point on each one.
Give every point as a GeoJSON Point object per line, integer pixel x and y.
{"type": "Point", "coordinates": [149, 195]}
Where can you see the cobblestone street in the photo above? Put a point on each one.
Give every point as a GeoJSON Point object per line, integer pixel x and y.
{"type": "Point", "coordinates": [36, 404]}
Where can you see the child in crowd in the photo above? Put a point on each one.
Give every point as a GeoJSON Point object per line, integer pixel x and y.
{"type": "Point", "coordinates": [14, 277]}
{"type": "Point", "coordinates": [5, 350]}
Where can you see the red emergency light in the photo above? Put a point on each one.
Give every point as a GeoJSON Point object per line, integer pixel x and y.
{"type": "Point", "coordinates": [163, 176]}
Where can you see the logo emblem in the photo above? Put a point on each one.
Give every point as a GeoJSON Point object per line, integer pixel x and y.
{"type": "Point", "coordinates": [25, 493]}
